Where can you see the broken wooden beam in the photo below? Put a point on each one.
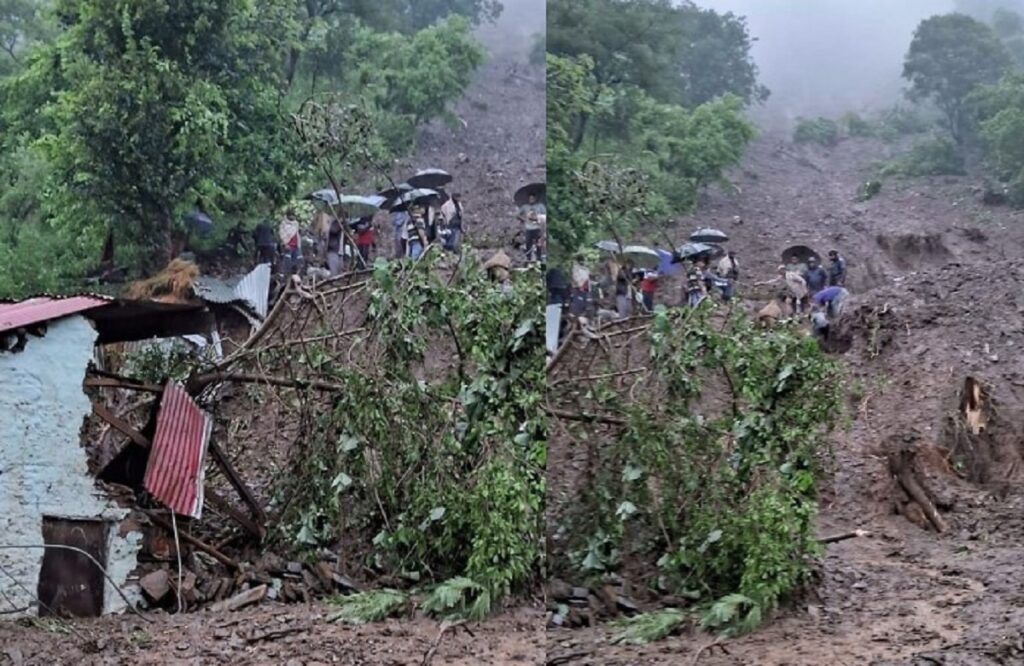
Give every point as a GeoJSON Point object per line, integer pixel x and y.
{"type": "Point", "coordinates": [221, 504]}
{"type": "Point", "coordinates": [241, 600]}
{"type": "Point", "coordinates": [236, 481]}
{"type": "Point", "coordinates": [198, 543]}
{"type": "Point", "coordinates": [120, 425]}
{"type": "Point", "coordinates": [108, 381]}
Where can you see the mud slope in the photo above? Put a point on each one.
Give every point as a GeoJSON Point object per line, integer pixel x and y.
{"type": "Point", "coordinates": [496, 146]}
{"type": "Point", "coordinates": [936, 283]}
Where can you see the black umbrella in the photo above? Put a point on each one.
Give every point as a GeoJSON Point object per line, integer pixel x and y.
{"type": "Point", "coordinates": [420, 195]}
{"type": "Point", "coordinates": [694, 250]}
{"type": "Point", "coordinates": [430, 178]}
{"type": "Point", "coordinates": [199, 221]}
{"type": "Point", "coordinates": [799, 254]}
{"type": "Point", "coordinates": [708, 235]}
{"type": "Point", "coordinates": [538, 190]}
{"type": "Point", "coordinates": [392, 194]}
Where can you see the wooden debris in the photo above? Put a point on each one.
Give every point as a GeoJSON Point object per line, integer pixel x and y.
{"type": "Point", "coordinates": [241, 600]}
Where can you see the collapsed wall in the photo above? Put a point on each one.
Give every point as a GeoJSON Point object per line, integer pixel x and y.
{"type": "Point", "coordinates": [46, 491]}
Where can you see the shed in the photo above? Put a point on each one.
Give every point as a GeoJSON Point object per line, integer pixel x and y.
{"type": "Point", "coordinates": [47, 495]}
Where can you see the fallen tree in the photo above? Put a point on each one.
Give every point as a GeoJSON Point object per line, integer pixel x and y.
{"type": "Point", "coordinates": [689, 450]}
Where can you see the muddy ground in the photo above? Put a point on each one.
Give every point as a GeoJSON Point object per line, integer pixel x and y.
{"type": "Point", "coordinates": [945, 266]}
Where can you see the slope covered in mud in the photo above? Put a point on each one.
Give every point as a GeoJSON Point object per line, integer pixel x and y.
{"type": "Point", "coordinates": [936, 300]}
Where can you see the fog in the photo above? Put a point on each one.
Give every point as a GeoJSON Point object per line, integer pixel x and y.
{"type": "Point", "coordinates": [826, 57]}
{"type": "Point", "coordinates": [512, 33]}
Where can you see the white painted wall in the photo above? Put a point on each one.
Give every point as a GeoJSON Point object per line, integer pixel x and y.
{"type": "Point", "coordinates": [43, 468]}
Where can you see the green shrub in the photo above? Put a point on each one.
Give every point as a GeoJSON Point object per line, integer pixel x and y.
{"type": "Point", "coordinates": [856, 125]}
{"type": "Point", "coordinates": [936, 157]}
{"type": "Point", "coordinates": [823, 131]}
{"type": "Point", "coordinates": [718, 500]}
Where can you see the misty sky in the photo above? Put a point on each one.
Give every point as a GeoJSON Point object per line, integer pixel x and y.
{"type": "Point", "coordinates": [830, 56]}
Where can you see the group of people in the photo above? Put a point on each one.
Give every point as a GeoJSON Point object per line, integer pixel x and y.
{"type": "Point", "coordinates": [425, 223]}
{"type": "Point", "coordinates": [813, 289]}
{"type": "Point", "coordinates": [335, 245]}
{"type": "Point", "coordinates": [816, 290]}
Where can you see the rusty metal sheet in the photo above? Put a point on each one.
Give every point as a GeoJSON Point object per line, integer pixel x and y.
{"type": "Point", "coordinates": [46, 308]}
{"type": "Point", "coordinates": [174, 473]}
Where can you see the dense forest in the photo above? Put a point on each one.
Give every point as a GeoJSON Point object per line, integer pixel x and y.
{"type": "Point", "coordinates": [124, 116]}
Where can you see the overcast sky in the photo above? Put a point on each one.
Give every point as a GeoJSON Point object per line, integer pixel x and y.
{"type": "Point", "coordinates": [829, 56]}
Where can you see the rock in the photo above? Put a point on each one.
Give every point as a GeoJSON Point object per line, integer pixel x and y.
{"type": "Point", "coordinates": [295, 567]}
{"type": "Point", "coordinates": [579, 593]}
{"type": "Point", "coordinates": [861, 585]}
{"type": "Point", "coordinates": [155, 585]}
{"type": "Point", "coordinates": [559, 590]}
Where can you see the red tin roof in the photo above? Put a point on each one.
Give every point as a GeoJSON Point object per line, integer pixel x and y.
{"type": "Point", "coordinates": [45, 308]}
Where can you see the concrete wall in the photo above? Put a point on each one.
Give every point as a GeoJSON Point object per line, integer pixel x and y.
{"type": "Point", "coordinates": [43, 468]}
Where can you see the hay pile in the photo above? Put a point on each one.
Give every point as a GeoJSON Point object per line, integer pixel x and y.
{"type": "Point", "coordinates": [171, 285]}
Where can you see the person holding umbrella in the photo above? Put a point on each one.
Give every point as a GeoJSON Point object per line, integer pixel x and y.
{"type": "Point", "coordinates": [334, 241]}
{"type": "Point", "coordinates": [648, 285]}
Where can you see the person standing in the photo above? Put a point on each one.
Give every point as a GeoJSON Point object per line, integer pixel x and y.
{"type": "Point", "coordinates": [623, 293]}
{"type": "Point", "coordinates": [415, 230]}
{"type": "Point", "coordinates": [815, 276]}
{"type": "Point", "coordinates": [795, 287]}
{"type": "Point", "coordinates": [399, 220]}
{"type": "Point", "coordinates": [291, 242]}
{"type": "Point", "coordinates": [836, 269]}
{"type": "Point", "coordinates": [366, 240]}
{"type": "Point", "coordinates": [452, 210]}
{"type": "Point", "coordinates": [266, 246]}
{"type": "Point", "coordinates": [648, 286]}
{"type": "Point", "coordinates": [728, 267]}
{"type": "Point", "coordinates": [529, 216]}
{"type": "Point", "coordinates": [334, 241]}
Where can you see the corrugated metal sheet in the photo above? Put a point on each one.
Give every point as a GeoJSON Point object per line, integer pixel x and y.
{"type": "Point", "coordinates": [174, 473]}
{"type": "Point", "coordinates": [252, 290]}
{"type": "Point", "coordinates": [45, 308]}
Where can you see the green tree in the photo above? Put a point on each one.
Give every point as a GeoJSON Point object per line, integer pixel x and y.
{"type": "Point", "coordinates": [21, 25]}
{"type": "Point", "coordinates": [678, 54]}
{"type": "Point", "coordinates": [949, 57]}
{"type": "Point", "coordinates": [999, 112]}
{"type": "Point", "coordinates": [148, 107]}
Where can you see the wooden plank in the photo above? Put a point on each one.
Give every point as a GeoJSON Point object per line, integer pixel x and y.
{"type": "Point", "coordinates": [112, 382]}
{"type": "Point", "coordinates": [120, 425]}
{"type": "Point", "coordinates": [237, 482]}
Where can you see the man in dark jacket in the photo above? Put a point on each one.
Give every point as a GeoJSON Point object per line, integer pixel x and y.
{"type": "Point", "coordinates": [837, 270]}
{"type": "Point", "coordinates": [266, 244]}
{"type": "Point", "coordinates": [815, 276]}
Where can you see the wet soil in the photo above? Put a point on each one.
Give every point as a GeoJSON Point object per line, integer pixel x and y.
{"type": "Point", "coordinates": [291, 635]}
{"type": "Point", "coordinates": [941, 266]}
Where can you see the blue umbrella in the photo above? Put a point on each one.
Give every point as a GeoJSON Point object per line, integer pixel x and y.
{"type": "Point", "coordinates": [199, 220]}
{"type": "Point", "coordinates": [665, 265]}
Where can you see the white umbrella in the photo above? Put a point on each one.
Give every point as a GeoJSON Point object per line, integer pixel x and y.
{"type": "Point", "coordinates": [640, 256]}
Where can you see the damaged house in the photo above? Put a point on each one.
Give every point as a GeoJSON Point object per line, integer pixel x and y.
{"type": "Point", "coordinates": [61, 511]}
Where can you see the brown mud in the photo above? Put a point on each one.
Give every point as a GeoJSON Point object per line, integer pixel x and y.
{"type": "Point", "coordinates": [936, 295]}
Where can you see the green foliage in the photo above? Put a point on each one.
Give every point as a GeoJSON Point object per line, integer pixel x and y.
{"type": "Point", "coordinates": [164, 359]}
{"type": "Point", "coordinates": [616, 157]}
{"type": "Point", "coordinates": [949, 57]}
{"type": "Point", "coordinates": [856, 125]}
{"type": "Point", "coordinates": [458, 598]}
{"type": "Point", "coordinates": [680, 54]}
{"type": "Point", "coordinates": [444, 476]}
{"type": "Point", "coordinates": [735, 613]}
{"type": "Point", "coordinates": [649, 627]}
{"type": "Point", "coordinates": [723, 499]}
{"type": "Point", "coordinates": [939, 156]}
{"type": "Point", "coordinates": [823, 131]}
{"type": "Point", "coordinates": [21, 26]}
{"type": "Point", "coordinates": [371, 606]}
{"type": "Point", "coordinates": [194, 89]}
{"type": "Point", "coordinates": [999, 111]}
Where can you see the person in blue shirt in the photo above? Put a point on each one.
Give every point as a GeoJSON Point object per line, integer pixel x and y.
{"type": "Point", "coordinates": [833, 299]}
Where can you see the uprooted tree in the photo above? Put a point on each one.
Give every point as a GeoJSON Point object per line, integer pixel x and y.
{"type": "Point", "coordinates": [415, 438]}
{"type": "Point", "coordinates": [699, 440]}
